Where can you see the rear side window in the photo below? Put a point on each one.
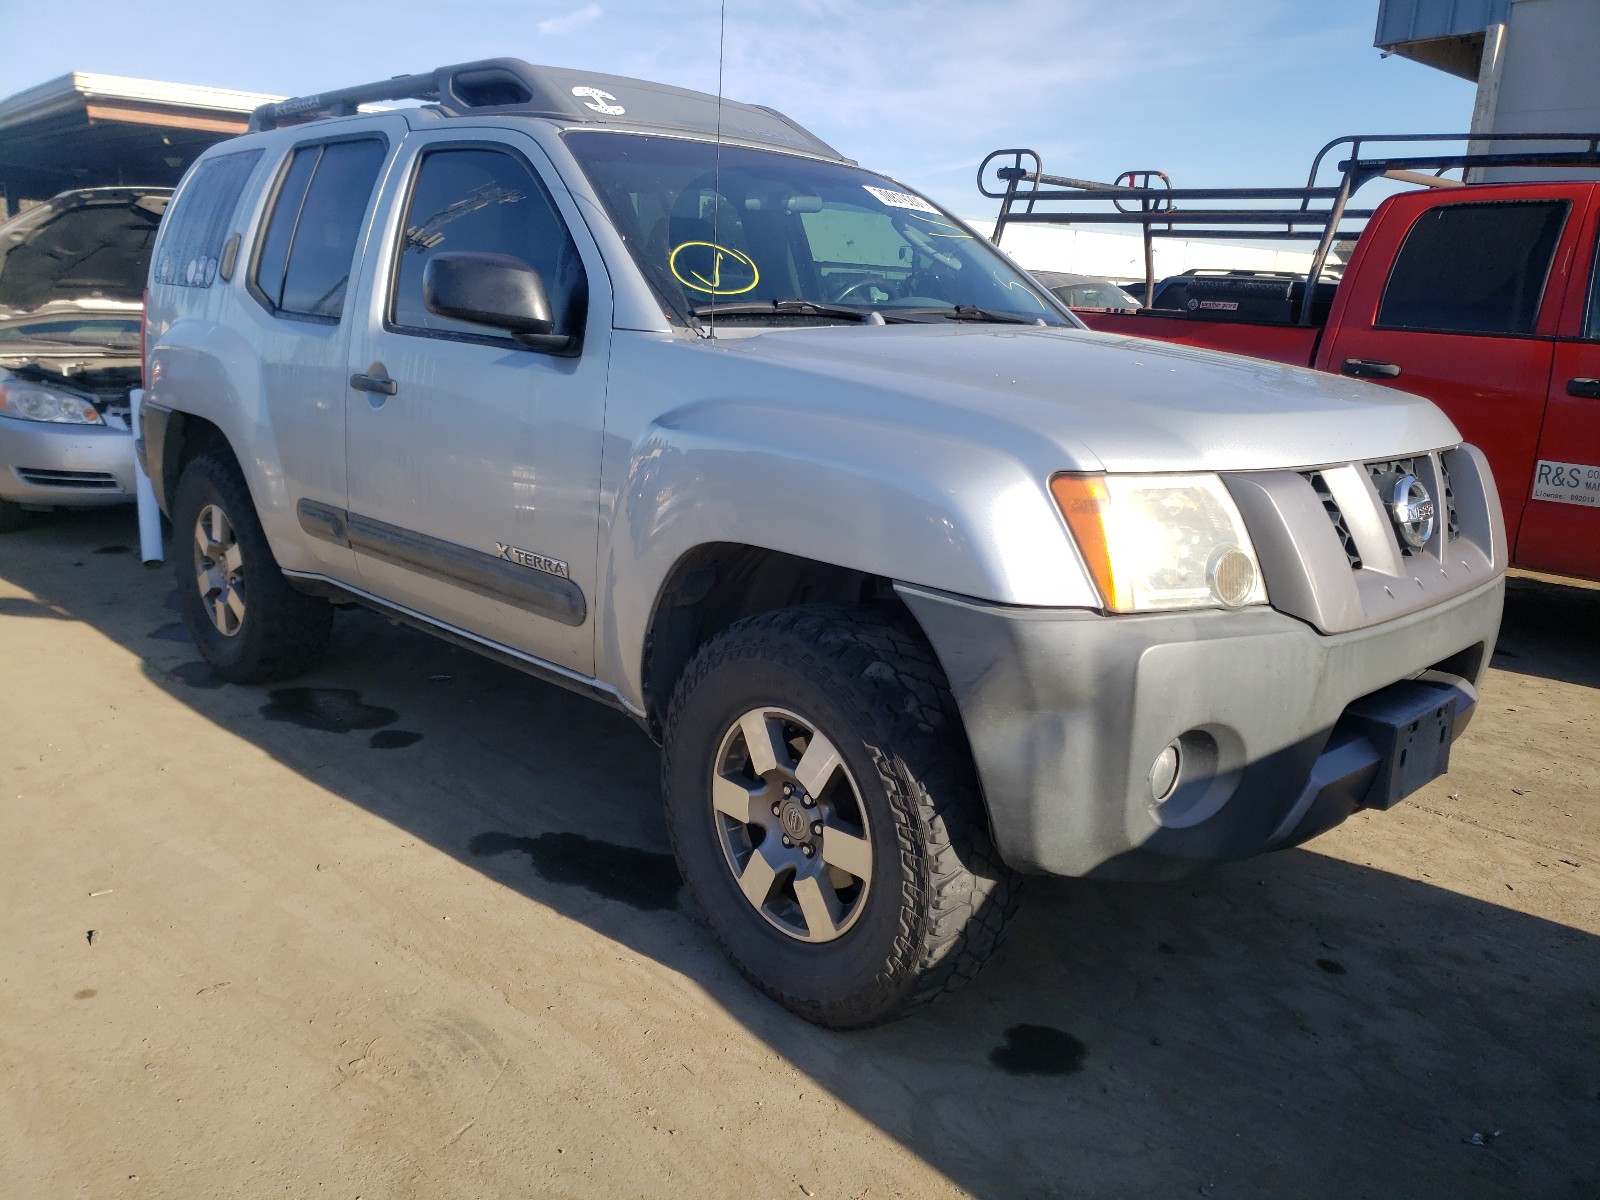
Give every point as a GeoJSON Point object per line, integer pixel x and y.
{"type": "Point", "coordinates": [304, 262]}
{"type": "Point", "coordinates": [201, 219]}
{"type": "Point", "coordinates": [488, 201]}
{"type": "Point", "coordinates": [1591, 316]}
{"type": "Point", "coordinates": [1474, 268]}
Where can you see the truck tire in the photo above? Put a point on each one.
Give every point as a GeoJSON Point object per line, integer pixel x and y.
{"type": "Point", "coordinates": [246, 619]}
{"type": "Point", "coordinates": [824, 811]}
{"type": "Point", "coordinates": [12, 517]}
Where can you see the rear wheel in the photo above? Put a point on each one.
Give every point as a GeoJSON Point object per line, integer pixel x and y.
{"type": "Point", "coordinates": [246, 619]}
{"type": "Point", "coordinates": [825, 814]}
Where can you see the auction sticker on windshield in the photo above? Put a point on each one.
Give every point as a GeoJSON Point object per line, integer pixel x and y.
{"type": "Point", "coordinates": [1567, 483]}
{"type": "Point", "coordinates": [896, 199]}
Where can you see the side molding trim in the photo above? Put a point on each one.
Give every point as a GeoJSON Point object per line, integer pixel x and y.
{"type": "Point", "coordinates": [538, 592]}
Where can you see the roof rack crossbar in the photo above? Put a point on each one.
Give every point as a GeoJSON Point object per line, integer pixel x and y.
{"type": "Point", "coordinates": [342, 102]}
{"type": "Point", "coordinates": [1108, 192]}
{"type": "Point", "coordinates": [1168, 216]}
{"type": "Point", "coordinates": [511, 87]}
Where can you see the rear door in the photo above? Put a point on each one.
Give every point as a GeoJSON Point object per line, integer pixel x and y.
{"type": "Point", "coordinates": [1466, 315]}
{"type": "Point", "coordinates": [1561, 527]}
{"type": "Point", "coordinates": [297, 326]}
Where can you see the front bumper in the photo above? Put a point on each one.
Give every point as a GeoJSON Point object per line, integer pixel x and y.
{"type": "Point", "coordinates": [70, 466]}
{"type": "Point", "coordinates": [1067, 711]}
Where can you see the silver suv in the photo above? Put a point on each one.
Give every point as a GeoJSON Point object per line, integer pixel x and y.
{"type": "Point", "coordinates": [919, 584]}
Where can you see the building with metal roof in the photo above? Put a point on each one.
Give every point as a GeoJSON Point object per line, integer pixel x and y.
{"type": "Point", "coordinates": [1533, 60]}
{"type": "Point", "coordinates": [84, 130]}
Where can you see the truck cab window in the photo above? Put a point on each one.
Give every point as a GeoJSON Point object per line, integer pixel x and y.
{"type": "Point", "coordinates": [487, 201]}
{"type": "Point", "coordinates": [1591, 316]}
{"type": "Point", "coordinates": [1436, 287]}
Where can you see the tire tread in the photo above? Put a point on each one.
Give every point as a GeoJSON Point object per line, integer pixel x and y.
{"type": "Point", "coordinates": [292, 630]}
{"type": "Point", "coordinates": [958, 897]}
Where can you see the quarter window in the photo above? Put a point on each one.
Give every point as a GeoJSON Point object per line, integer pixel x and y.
{"type": "Point", "coordinates": [198, 224]}
{"type": "Point", "coordinates": [488, 201]}
{"type": "Point", "coordinates": [1474, 268]}
{"type": "Point", "coordinates": [308, 250]}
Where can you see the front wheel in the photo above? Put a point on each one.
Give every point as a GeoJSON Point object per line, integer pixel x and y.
{"type": "Point", "coordinates": [825, 814]}
{"type": "Point", "coordinates": [246, 619]}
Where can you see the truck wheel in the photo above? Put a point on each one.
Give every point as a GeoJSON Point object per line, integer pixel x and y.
{"type": "Point", "coordinates": [12, 516]}
{"type": "Point", "coordinates": [248, 623]}
{"type": "Point", "coordinates": [825, 814]}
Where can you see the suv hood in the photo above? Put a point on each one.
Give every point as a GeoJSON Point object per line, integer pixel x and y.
{"type": "Point", "coordinates": [1105, 402]}
{"type": "Point", "coordinates": [92, 244]}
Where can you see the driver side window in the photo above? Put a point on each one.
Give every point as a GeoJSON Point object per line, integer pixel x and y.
{"type": "Point", "coordinates": [489, 201]}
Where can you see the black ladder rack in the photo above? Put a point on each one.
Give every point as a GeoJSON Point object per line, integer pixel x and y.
{"type": "Point", "coordinates": [1319, 213]}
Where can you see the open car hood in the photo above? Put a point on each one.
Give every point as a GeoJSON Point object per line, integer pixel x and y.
{"type": "Point", "coordinates": [88, 244]}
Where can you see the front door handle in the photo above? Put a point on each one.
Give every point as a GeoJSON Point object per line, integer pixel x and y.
{"type": "Point", "coordinates": [377, 381]}
{"type": "Point", "coordinates": [1366, 368]}
{"type": "Point", "coordinates": [1584, 387]}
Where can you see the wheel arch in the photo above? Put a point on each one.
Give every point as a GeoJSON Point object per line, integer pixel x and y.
{"type": "Point", "coordinates": [186, 437]}
{"type": "Point", "coordinates": [714, 584]}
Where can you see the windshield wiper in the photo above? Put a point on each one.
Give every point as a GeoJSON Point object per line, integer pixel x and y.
{"type": "Point", "coordinates": [790, 306]}
{"type": "Point", "coordinates": [966, 312]}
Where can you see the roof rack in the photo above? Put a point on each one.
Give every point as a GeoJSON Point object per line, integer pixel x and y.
{"type": "Point", "coordinates": [1314, 212]}
{"type": "Point", "coordinates": [494, 86]}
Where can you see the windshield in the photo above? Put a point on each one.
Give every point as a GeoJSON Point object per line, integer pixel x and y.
{"type": "Point", "coordinates": [1103, 294]}
{"type": "Point", "coordinates": [760, 227]}
{"type": "Point", "coordinates": [113, 333]}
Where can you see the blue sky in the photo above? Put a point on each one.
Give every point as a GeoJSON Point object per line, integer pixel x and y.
{"type": "Point", "coordinates": [1215, 93]}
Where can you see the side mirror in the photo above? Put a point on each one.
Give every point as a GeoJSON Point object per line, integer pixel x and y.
{"type": "Point", "coordinates": [498, 290]}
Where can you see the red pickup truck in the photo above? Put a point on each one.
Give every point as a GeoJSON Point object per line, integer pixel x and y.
{"type": "Point", "coordinates": [1485, 298]}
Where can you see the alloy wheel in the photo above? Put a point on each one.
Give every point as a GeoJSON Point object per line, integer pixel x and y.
{"type": "Point", "coordinates": [791, 824]}
{"type": "Point", "coordinates": [219, 570]}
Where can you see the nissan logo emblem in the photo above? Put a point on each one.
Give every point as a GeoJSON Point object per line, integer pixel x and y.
{"type": "Point", "coordinates": [1412, 509]}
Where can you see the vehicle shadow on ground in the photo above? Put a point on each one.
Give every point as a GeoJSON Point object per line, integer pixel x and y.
{"type": "Point", "coordinates": [1297, 1025]}
{"type": "Point", "coordinates": [1552, 630]}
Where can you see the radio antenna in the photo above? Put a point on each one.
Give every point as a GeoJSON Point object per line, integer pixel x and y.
{"type": "Point", "coordinates": [716, 162]}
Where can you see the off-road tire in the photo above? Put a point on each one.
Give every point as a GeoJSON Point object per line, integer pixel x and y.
{"type": "Point", "coordinates": [283, 632]}
{"type": "Point", "coordinates": [939, 899]}
{"type": "Point", "coordinates": [12, 517]}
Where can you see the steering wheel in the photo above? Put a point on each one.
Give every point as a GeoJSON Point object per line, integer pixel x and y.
{"type": "Point", "coordinates": [859, 285]}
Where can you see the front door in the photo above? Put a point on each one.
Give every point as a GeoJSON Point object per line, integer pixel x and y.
{"type": "Point", "coordinates": [1561, 527]}
{"type": "Point", "coordinates": [1461, 319]}
{"type": "Point", "coordinates": [474, 463]}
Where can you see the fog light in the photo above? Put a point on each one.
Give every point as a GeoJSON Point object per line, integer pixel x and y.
{"type": "Point", "coordinates": [1164, 772]}
{"type": "Point", "coordinates": [1232, 576]}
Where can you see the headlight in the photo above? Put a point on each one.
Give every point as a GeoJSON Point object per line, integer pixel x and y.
{"type": "Point", "coordinates": [31, 401]}
{"type": "Point", "coordinates": [1161, 541]}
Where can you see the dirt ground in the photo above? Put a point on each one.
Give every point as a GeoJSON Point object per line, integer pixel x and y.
{"type": "Point", "coordinates": [408, 929]}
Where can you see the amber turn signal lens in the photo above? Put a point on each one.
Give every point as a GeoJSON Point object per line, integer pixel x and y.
{"type": "Point", "coordinates": [1085, 502]}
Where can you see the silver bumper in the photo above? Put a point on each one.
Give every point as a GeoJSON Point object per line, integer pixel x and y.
{"type": "Point", "coordinates": [76, 466]}
{"type": "Point", "coordinates": [1068, 711]}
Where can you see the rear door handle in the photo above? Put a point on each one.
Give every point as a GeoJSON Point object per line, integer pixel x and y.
{"type": "Point", "coordinates": [1584, 387]}
{"type": "Point", "coordinates": [378, 382]}
{"type": "Point", "coordinates": [1366, 368]}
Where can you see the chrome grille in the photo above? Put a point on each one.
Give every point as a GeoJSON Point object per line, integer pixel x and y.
{"type": "Point", "coordinates": [1452, 525]}
{"type": "Point", "coordinates": [1384, 476]}
{"type": "Point", "coordinates": [1331, 507]}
